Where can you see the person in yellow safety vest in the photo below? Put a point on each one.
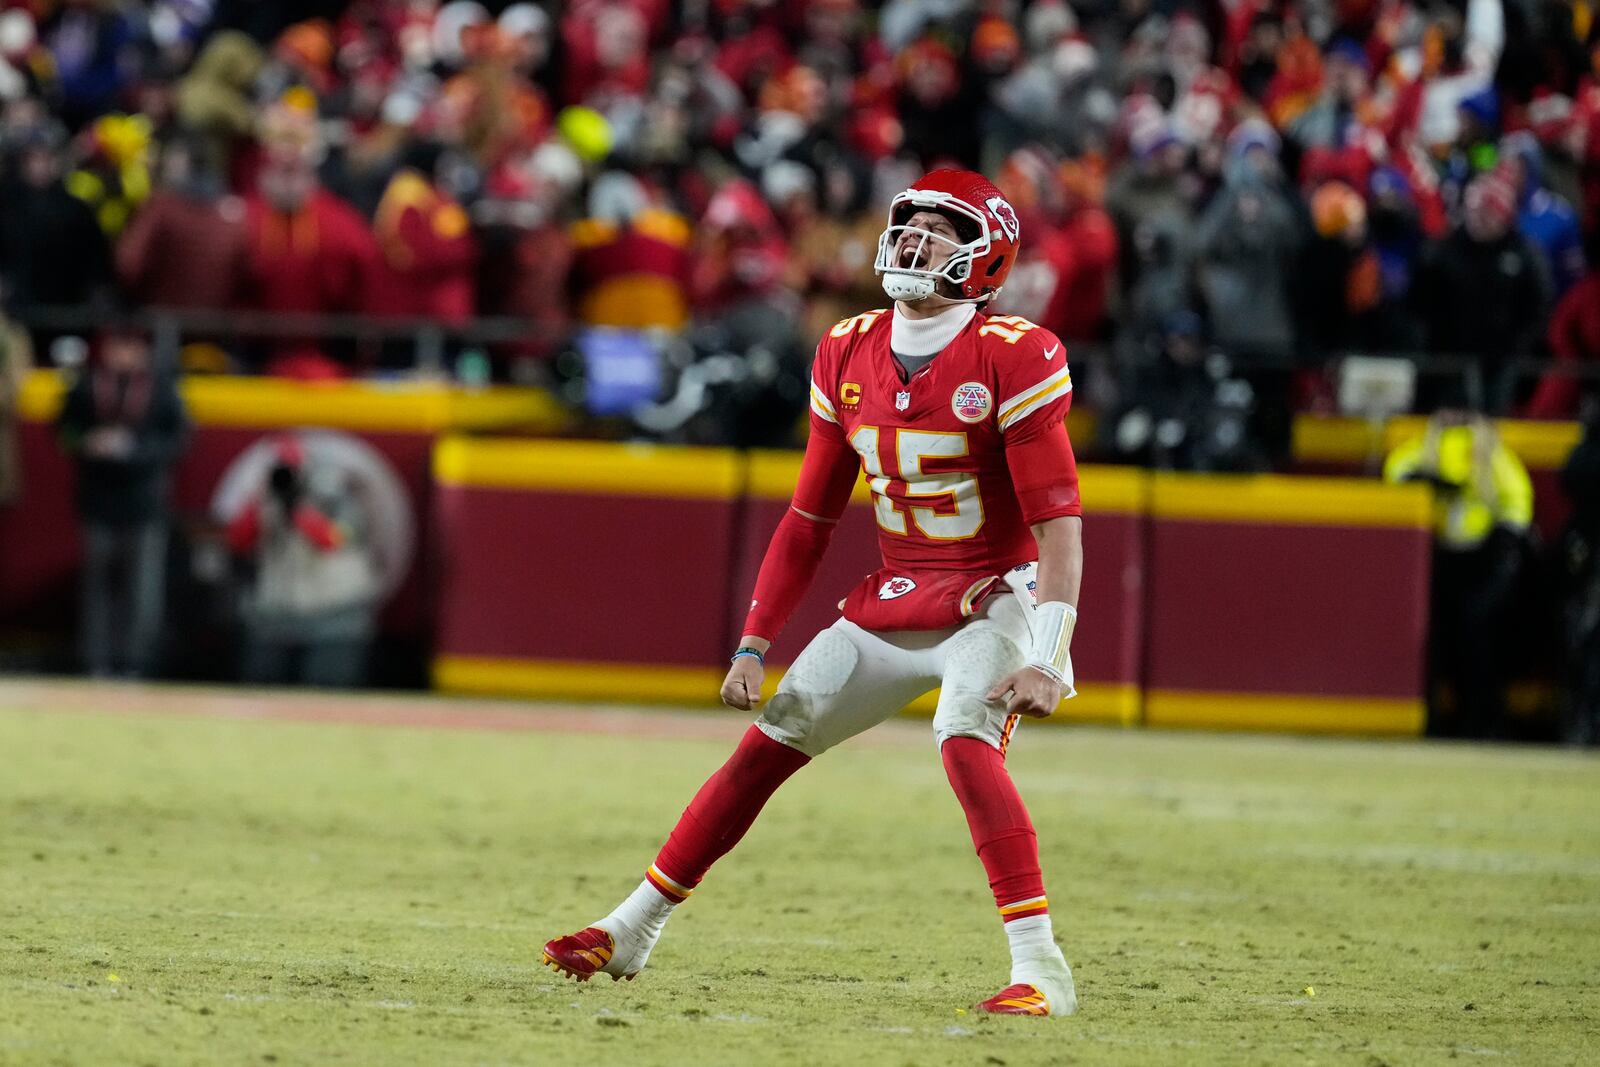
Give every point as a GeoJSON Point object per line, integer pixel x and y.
{"type": "Point", "coordinates": [1483, 505]}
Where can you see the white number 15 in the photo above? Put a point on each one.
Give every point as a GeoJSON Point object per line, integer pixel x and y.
{"type": "Point", "coordinates": [893, 497]}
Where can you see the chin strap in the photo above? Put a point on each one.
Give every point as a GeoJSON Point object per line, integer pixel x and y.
{"type": "Point", "coordinates": [901, 285]}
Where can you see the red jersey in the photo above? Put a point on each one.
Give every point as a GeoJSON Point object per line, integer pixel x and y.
{"type": "Point", "coordinates": [933, 448]}
{"type": "Point", "coordinates": [961, 457]}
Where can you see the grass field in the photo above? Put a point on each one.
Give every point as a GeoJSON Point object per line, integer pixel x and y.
{"type": "Point", "coordinates": [235, 887]}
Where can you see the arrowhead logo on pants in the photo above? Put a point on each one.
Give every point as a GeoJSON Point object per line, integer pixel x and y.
{"type": "Point", "coordinates": [895, 587]}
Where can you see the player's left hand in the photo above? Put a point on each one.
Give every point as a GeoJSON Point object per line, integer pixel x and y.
{"type": "Point", "coordinates": [1033, 693]}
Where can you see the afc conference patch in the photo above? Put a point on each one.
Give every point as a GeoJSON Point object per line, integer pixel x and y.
{"type": "Point", "coordinates": [971, 402]}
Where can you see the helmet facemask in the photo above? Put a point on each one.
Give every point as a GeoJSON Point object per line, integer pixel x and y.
{"type": "Point", "coordinates": [905, 276]}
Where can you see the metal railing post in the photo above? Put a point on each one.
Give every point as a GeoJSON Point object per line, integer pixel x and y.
{"type": "Point", "coordinates": [430, 342]}
{"type": "Point", "coordinates": [166, 336]}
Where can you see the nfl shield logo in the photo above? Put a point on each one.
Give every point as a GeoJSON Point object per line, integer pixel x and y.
{"type": "Point", "coordinates": [902, 401]}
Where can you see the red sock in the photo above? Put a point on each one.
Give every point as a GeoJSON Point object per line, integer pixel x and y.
{"type": "Point", "coordinates": [722, 811]}
{"type": "Point", "coordinates": [1001, 830]}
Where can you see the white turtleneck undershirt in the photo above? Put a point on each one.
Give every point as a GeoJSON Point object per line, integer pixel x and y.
{"type": "Point", "coordinates": [915, 341]}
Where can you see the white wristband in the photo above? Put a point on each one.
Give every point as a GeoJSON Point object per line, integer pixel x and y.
{"type": "Point", "coordinates": [1053, 623]}
{"type": "Point", "coordinates": [1049, 672]}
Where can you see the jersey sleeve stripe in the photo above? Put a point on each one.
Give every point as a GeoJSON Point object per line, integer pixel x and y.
{"type": "Point", "coordinates": [1006, 406]}
{"type": "Point", "coordinates": [821, 406]}
{"type": "Point", "coordinates": [1037, 400]}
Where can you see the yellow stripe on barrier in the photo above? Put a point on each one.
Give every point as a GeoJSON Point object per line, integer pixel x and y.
{"type": "Point", "coordinates": [1291, 712]}
{"type": "Point", "coordinates": [1540, 445]}
{"type": "Point", "coordinates": [1330, 439]}
{"type": "Point", "coordinates": [772, 474]}
{"type": "Point", "coordinates": [1289, 499]}
{"type": "Point", "coordinates": [1112, 703]}
{"type": "Point", "coordinates": [1334, 439]}
{"type": "Point", "coordinates": [273, 403]}
{"type": "Point", "coordinates": [589, 467]}
{"type": "Point", "coordinates": [1082, 426]}
{"type": "Point", "coordinates": [572, 680]}
{"type": "Point", "coordinates": [1106, 703]}
{"type": "Point", "coordinates": [1113, 490]}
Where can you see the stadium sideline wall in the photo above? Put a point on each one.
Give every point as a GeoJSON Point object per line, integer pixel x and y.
{"type": "Point", "coordinates": [601, 571]}
{"type": "Point", "coordinates": [593, 571]}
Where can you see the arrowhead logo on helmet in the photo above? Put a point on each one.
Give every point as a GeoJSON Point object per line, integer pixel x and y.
{"type": "Point", "coordinates": [975, 265]}
{"type": "Point", "coordinates": [1004, 215]}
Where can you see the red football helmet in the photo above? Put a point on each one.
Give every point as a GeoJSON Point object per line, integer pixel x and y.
{"type": "Point", "coordinates": [984, 220]}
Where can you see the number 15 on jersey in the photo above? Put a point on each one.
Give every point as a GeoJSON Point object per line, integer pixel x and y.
{"type": "Point", "coordinates": [942, 506]}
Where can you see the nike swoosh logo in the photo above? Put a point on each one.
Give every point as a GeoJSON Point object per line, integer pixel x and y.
{"type": "Point", "coordinates": [1051, 353]}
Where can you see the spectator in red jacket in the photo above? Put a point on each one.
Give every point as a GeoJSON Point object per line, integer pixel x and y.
{"type": "Point", "coordinates": [1079, 309]}
{"type": "Point", "coordinates": [631, 264]}
{"type": "Point", "coordinates": [1062, 279]}
{"type": "Point", "coordinates": [186, 248]}
{"type": "Point", "coordinates": [604, 51]}
{"type": "Point", "coordinates": [742, 251]}
{"type": "Point", "coordinates": [309, 251]}
{"type": "Point", "coordinates": [1573, 336]}
{"type": "Point", "coordinates": [426, 250]}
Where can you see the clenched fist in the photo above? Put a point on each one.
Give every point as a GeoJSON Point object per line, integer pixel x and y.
{"type": "Point", "coordinates": [742, 687]}
{"type": "Point", "coordinates": [1033, 693]}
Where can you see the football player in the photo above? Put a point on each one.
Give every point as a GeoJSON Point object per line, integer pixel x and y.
{"type": "Point", "coordinates": [957, 421]}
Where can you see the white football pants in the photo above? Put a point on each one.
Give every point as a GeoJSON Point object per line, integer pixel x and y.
{"type": "Point", "coordinates": [848, 679]}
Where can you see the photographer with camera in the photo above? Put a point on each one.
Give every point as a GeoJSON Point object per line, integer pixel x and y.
{"type": "Point", "coordinates": [310, 615]}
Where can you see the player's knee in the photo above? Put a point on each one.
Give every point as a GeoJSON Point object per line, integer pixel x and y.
{"type": "Point", "coordinates": [968, 715]}
{"type": "Point", "coordinates": [987, 736]}
{"type": "Point", "coordinates": [796, 714]}
{"type": "Point", "coordinates": [788, 719]}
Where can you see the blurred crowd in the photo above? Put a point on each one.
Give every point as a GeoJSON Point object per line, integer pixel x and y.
{"type": "Point", "coordinates": [1221, 193]}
